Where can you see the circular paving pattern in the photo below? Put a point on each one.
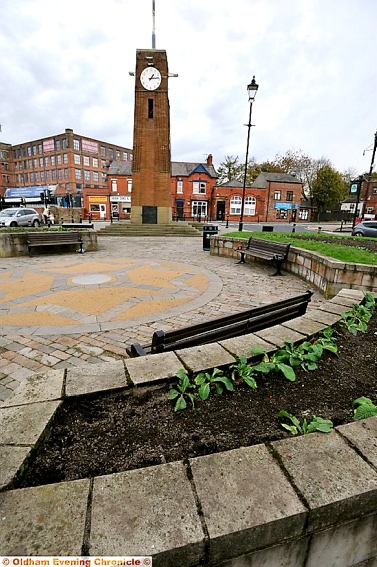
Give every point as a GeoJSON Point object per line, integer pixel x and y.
{"type": "Point", "coordinates": [95, 296]}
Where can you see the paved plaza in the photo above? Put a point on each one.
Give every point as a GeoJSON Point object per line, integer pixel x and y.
{"type": "Point", "coordinates": [69, 310]}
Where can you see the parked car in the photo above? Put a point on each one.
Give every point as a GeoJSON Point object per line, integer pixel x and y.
{"type": "Point", "coordinates": [365, 228]}
{"type": "Point", "coordinates": [21, 216]}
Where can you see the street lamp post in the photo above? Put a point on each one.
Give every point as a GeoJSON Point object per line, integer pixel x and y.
{"type": "Point", "coordinates": [251, 91]}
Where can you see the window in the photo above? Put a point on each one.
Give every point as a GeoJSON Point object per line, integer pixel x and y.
{"type": "Point", "coordinates": [277, 195]}
{"type": "Point", "coordinates": [179, 186]}
{"type": "Point", "coordinates": [35, 163]}
{"type": "Point", "coordinates": [41, 162]}
{"type": "Point", "coordinates": [86, 175]}
{"type": "Point", "coordinates": [57, 145]}
{"type": "Point", "coordinates": [34, 150]}
{"type": "Point", "coordinates": [117, 154]}
{"type": "Point", "coordinates": [52, 160]}
{"type": "Point", "coordinates": [103, 151]}
{"type": "Point", "coordinates": [53, 174]}
{"type": "Point", "coordinates": [39, 148]}
{"type": "Point", "coordinates": [129, 185]}
{"type": "Point", "coordinates": [289, 195]}
{"type": "Point", "coordinates": [103, 163]}
{"type": "Point", "coordinates": [42, 175]}
{"type": "Point", "coordinates": [59, 159]}
{"type": "Point", "coordinates": [46, 161]}
{"type": "Point", "coordinates": [29, 150]}
{"type": "Point", "coordinates": [199, 209]}
{"type": "Point", "coordinates": [125, 156]}
{"type": "Point", "coordinates": [199, 187]}
{"type": "Point", "coordinates": [95, 175]}
{"type": "Point", "coordinates": [78, 173]}
{"type": "Point", "coordinates": [36, 177]}
{"type": "Point", "coordinates": [76, 145]}
{"type": "Point", "coordinates": [150, 107]}
{"type": "Point", "coordinates": [249, 208]}
{"type": "Point", "coordinates": [77, 159]}
{"type": "Point", "coordinates": [86, 161]}
{"type": "Point", "coordinates": [114, 185]}
{"type": "Point", "coordinates": [95, 162]}
{"type": "Point", "coordinates": [64, 143]}
{"type": "Point", "coordinates": [111, 154]}
{"type": "Point", "coordinates": [48, 175]}
{"type": "Point", "coordinates": [235, 205]}
{"type": "Point", "coordinates": [60, 174]}
{"type": "Point", "coordinates": [66, 175]}
{"type": "Point", "coordinates": [65, 158]}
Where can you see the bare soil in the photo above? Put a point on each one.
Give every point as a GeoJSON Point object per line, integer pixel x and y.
{"type": "Point", "coordinates": [104, 434]}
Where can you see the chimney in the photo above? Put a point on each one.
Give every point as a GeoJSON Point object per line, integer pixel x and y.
{"type": "Point", "coordinates": [209, 159]}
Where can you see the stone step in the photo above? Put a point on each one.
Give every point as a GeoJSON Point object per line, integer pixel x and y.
{"type": "Point", "coordinates": [149, 230]}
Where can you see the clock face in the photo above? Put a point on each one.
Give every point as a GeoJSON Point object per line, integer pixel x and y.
{"type": "Point", "coordinates": [150, 78]}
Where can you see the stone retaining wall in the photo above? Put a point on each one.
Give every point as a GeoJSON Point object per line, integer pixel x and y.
{"type": "Point", "coordinates": [326, 274]}
{"type": "Point", "coordinates": [15, 243]}
{"type": "Point", "coordinates": [308, 501]}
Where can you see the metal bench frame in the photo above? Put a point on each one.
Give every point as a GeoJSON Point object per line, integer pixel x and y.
{"type": "Point", "coordinates": [249, 321]}
{"type": "Point", "coordinates": [276, 252]}
{"type": "Point", "coordinates": [39, 239]}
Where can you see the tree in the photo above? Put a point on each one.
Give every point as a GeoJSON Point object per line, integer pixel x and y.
{"type": "Point", "coordinates": [230, 169]}
{"type": "Point", "coordinates": [328, 188]}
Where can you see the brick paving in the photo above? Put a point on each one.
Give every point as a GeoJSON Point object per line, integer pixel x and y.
{"type": "Point", "coordinates": [31, 346]}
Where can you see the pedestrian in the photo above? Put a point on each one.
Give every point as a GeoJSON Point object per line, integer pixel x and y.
{"type": "Point", "coordinates": [46, 214]}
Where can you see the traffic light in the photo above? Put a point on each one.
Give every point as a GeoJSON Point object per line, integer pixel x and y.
{"type": "Point", "coordinates": [49, 196]}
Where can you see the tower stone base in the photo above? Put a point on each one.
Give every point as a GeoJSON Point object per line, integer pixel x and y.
{"type": "Point", "coordinates": [141, 215]}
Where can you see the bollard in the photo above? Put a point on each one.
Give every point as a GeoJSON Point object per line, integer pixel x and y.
{"type": "Point", "coordinates": [319, 229]}
{"type": "Point", "coordinates": [294, 227]}
{"type": "Point", "coordinates": [227, 222]}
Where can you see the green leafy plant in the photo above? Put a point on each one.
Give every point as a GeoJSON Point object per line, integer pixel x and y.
{"type": "Point", "coordinates": [245, 371]}
{"type": "Point", "coordinates": [308, 353]}
{"type": "Point", "coordinates": [305, 427]}
{"type": "Point", "coordinates": [356, 319]}
{"type": "Point", "coordinates": [182, 391]}
{"type": "Point", "coordinates": [205, 380]}
{"type": "Point", "coordinates": [276, 363]}
{"type": "Point", "coordinates": [365, 409]}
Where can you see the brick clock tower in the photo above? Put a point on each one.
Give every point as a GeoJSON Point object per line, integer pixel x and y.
{"type": "Point", "coordinates": [151, 167]}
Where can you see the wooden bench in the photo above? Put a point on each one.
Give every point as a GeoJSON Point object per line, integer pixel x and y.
{"type": "Point", "coordinates": [37, 239]}
{"type": "Point", "coordinates": [276, 252]}
{"type": "Point", "coordinates": [226, 327]}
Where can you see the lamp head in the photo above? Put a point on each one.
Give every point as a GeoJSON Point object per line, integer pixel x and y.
{"type": "Point", "coordinates": [252, 89]}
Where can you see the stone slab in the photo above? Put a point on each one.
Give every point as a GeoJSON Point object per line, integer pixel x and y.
{"type": "Point", "coordinates": [356, 294]}
{"type": "Point", "coordinates": [203, 357]}
{"type": "Point", "coordinates": [335, 481]}
{"type": "Point", "coordinates": [347, 302]}
{"type": "Point", "coordinates": [278, 335]}
{"type": "Point", "coordinates": [305, 325]}
{"type": "Point", "coordinates": [38, 388]}
{"type": "Point", "coordinates": [45, 520]}
{"type": "Point", "coordinates": [23, 425]}
{"type": "Point", "coordinates": [11, 459]}
{"type": "Point", "coordinates": [248, 502]}
{"type": "Point", "coordinates": [363, 435]}
{"type": "Point", "coordinates": [323, 316]}
{"type": "Point", "coordinates": [149, 511]}
{"type": "Point", "coordinates": [347, 545]}
{"type": "Point", "coordinates": [95, 378]}
{"type": "Point", "coordinates": [337, 308]}
{"type": "Point", "coordinates": [291, 554]}
{"type": "Point", "coordinates": [153, 367]}
{"type": "Point", "coordinates": [241, 346]}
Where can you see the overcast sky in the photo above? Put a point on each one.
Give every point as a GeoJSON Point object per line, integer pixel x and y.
{"type": "Point", "coordinates": [66, 65]}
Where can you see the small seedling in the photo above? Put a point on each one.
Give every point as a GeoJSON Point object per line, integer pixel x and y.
{"type": "Point", "coordinates": [274, 363]}
{"type": "Point", "coordinates": [316, 424]}
{"type": "Point", "coordinates": [205, 380]}
{"type": "Point", "coordinates": [245, 371]}
{"type": "Point", "coordinates": [365, 409]}
{"type": "Point", "coordinates": [182, 392]}
{"type": "Point", "coordinates": [357, 318]}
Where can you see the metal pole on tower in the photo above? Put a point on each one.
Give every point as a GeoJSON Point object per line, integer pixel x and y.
{"type": "Point", "coordinates": [153, 26]}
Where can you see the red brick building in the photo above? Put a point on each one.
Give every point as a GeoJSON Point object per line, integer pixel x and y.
{"type": "Point", "coordinates": [68, 161]}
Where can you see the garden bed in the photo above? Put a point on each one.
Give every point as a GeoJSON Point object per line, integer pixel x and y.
{"type": "Point", "coordinates": [103, 434]}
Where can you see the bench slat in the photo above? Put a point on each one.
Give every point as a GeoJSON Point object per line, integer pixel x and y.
{"type": "Point", "coordinates": [249, 321]}
{"type": "Point", "coordinates": [276, 252]}
{"type": "Point", "coordinates": [36, 239]}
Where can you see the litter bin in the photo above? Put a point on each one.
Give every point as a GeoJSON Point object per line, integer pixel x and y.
{"type": "Point", "coordinates": [208, 231]}
{"type": "Point", "coordinates": [267, 228]}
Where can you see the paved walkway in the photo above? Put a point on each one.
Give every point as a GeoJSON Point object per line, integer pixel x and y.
{"type": "Point", "coordinates": [61, 311]}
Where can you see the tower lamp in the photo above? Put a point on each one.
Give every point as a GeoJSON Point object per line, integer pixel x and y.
{"type": "Point", "coordinates": [252, 89]}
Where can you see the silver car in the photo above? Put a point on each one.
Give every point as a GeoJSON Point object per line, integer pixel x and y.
{"type": "Point", "coordinates": [22, 216]}
{"type": "Point", "coordinates": [365, 228]}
